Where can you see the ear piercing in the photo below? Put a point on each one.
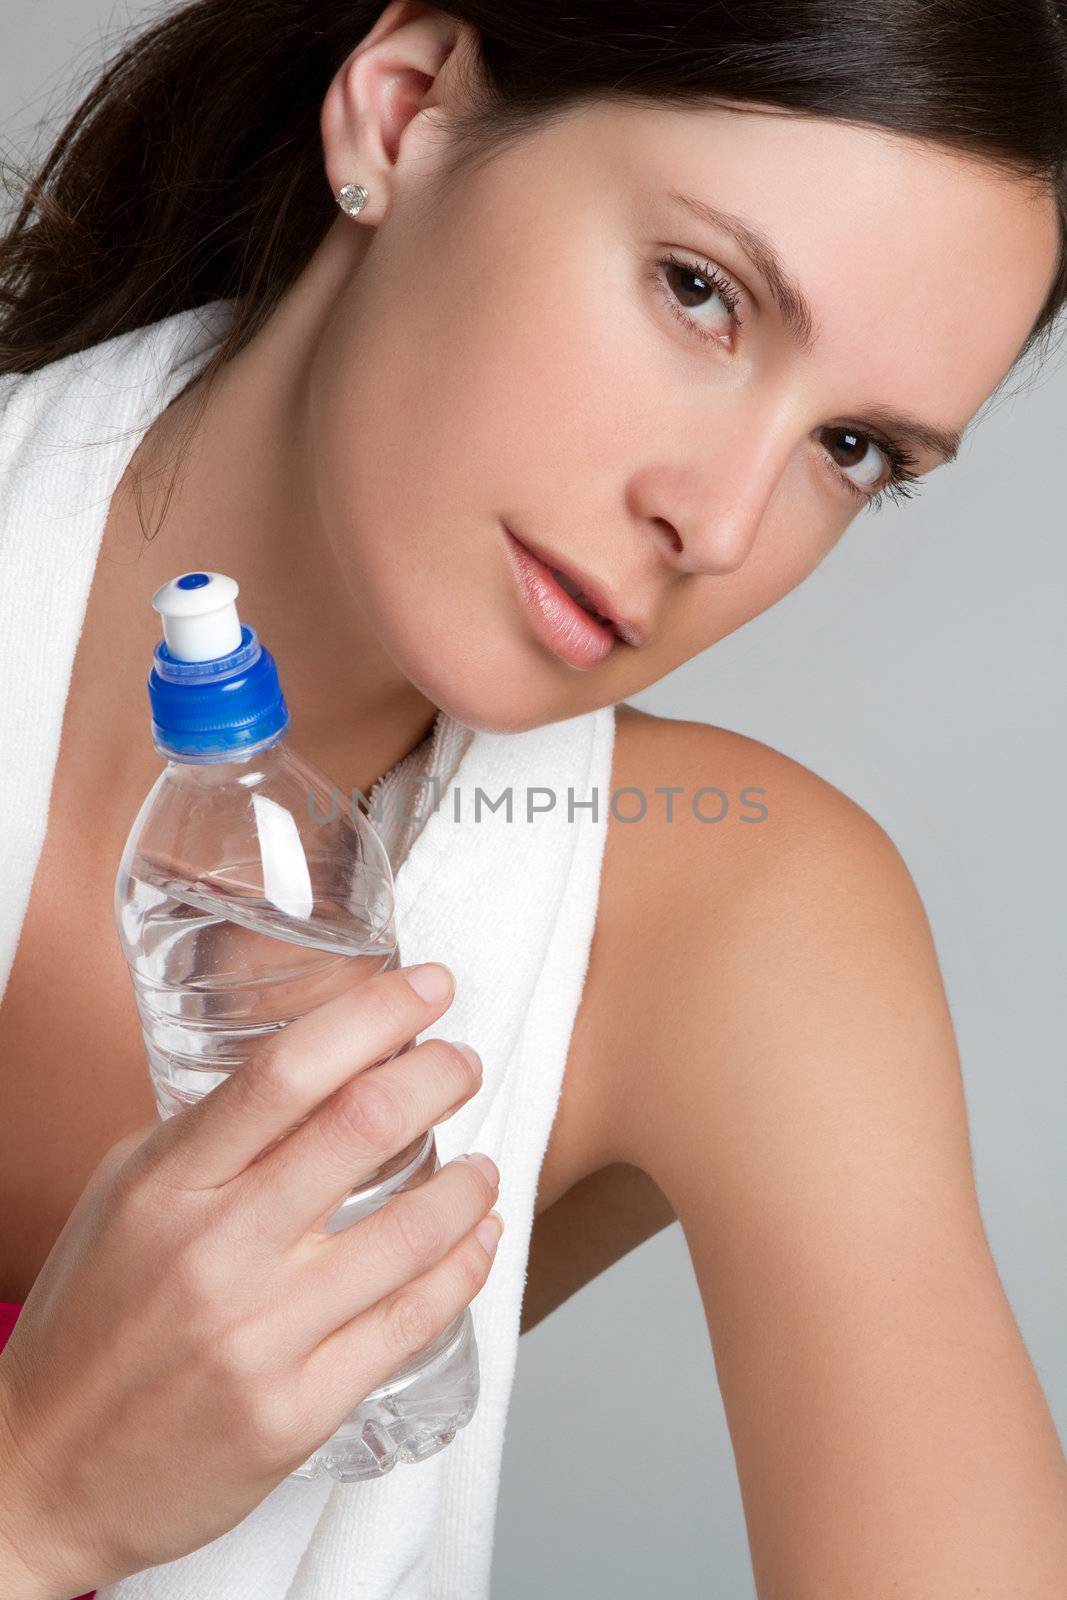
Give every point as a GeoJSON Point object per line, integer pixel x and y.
{"type": "Point", "coordinates": [352, 198]}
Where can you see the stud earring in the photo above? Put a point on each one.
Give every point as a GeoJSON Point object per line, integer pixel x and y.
{"type": "Point", "coordinates": [352, 198]}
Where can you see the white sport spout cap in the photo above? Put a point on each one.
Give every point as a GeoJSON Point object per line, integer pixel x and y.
{"type": "Point", "coordinates": [200, 620]}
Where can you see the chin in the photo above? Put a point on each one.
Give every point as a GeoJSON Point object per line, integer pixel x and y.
{"type": "Point", "coordinates": [503, 685]}
{"type": "Point", "coordinates": [491, 698]}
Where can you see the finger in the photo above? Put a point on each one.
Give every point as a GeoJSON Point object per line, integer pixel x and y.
{"type": "Point", "coordinates": [298, 1185]}
{"type": "Point", "coordinates": [214, 1140]}
{"type": "Point", "coordinates": [367, 1349]}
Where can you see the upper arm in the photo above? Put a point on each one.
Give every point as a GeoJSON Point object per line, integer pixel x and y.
{"type": "Point", "coordinates": [797, 1096]}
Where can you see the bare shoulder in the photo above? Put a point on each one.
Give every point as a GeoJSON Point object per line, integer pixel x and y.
{"type": "Point", "coordinates": [784, 1068]}
{"type": "Point", "coordinates": [736, 800]}
{"type": "Point", "coordinates": [710, 833]}
{"type": "Point", "coordinates": [766, 901]}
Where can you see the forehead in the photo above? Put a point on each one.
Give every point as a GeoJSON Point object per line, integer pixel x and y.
{"type": "Point", "coordinates": [926, 268]}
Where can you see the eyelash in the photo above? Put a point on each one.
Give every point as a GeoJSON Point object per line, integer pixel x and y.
{"type": "Point", "coordinates": [901, 484]}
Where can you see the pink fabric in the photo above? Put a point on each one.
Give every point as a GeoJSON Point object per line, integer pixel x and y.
{"type": "Point", "coordinates": [9, 1315]}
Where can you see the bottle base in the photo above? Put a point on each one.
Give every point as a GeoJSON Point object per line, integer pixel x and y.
{"type": "Point", "coordinates": [413, 1415]}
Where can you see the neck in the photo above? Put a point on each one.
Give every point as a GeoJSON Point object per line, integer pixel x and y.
{"type": "Point", "coordinates": [243, 503]}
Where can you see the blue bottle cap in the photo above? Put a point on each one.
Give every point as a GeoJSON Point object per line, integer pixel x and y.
{"type": "Point", "coordinates": [213, 688]}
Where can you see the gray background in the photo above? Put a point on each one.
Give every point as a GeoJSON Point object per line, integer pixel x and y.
{"type": "Point", "coordinates": [921, 669]}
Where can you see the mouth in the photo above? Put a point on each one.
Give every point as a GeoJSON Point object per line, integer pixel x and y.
{"type": "Point", "coordinates": [565, 617]}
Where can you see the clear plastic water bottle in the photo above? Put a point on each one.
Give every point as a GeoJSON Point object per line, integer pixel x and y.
{"type": "Point", "coordinates": [247, 894]}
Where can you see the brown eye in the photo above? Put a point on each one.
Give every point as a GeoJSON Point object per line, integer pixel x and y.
{"type": "Point", "coordinates": [855, 453]}
{"type": "Point", "coordinates": [689, 289]}
{"type": "Point", "coordinates": [681, 280]}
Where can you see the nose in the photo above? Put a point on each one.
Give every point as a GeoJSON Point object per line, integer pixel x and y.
{"type": "Point", "coordinates": [707, 519]}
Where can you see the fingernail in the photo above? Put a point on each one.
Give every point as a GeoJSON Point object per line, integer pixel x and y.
{"type": "Point", "coordinates": [431, 981]}
{"type": "Point", "coordinates": [465, 1050]}
{"type": "Point", "coordinates": [488, 1232]}
{"type": "Point", "coordinates": [484, 1164]}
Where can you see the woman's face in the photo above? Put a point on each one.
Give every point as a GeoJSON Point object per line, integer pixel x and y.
{"type": "Point", "coordinates": [523, 354]}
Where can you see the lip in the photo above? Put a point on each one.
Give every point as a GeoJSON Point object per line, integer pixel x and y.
{"type": "Point", "coordinates": [560, 613]}
{"type": "Point", "coordinates": [558, 621]}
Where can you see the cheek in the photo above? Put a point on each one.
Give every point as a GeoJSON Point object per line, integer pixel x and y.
{"type": "Point", "coordinates": [544, 372]}
{"type": "Point", "coordinates": [396, 452]}
{"type": "Point", "coordinates": [787, 548]}
{"type": "Point", "coordinates": [415, 444]}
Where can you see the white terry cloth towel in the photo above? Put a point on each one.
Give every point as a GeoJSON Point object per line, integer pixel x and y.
{"type": "Point", "coordinates": [504, 894]}
{"type": "Point", "coordinates": [67, 434]}
{"type": "Point", "coordinates": [510, 908]}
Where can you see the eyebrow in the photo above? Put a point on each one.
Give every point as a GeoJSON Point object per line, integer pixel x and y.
{"type": "Point", "coordinates": [802, 324]}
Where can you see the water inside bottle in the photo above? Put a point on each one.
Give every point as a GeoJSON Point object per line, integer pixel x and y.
{"type": "Point", "coordinates": [217, 969]}
{"type": "Point", "coordinates": [216, 974]}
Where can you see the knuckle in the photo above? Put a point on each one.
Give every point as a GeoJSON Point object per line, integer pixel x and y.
{"type": "Point", "coordinates": [115, 1158]}
{"type": "Point", "coordinates": [125, 1171]}
{"type": "Point", "coordinates": [413, 1227]}
{"type": "Point", "coordinates": [240, 1354]}
{"type": "Point", "coordinates": [369, 1115]}
{"type": "Point", "coordinates": [271, 1421]}
{"type": "Point", "coordinates": [260, 1086]}
{"type": "Point", "coordinates": [201, 1273]}
{"type": "Point", "coordinates": [153, 1162]}
{"type": "Point", "coordinates": [113, 1185]}
{"type": "Point", "coordinates": [410, 1323]}
{"type": "Point", "coordinates": [390, 1006]}
{"type": "Point", "coordinates": [257, 1091]}
{"type": "Point", "coordinates": [239, 1220]}
{"type": "Point", "coordinates": [134, 1202]}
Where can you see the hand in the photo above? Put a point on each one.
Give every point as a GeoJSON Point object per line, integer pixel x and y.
{"type": "Point", "coordinates": [195, 1333]}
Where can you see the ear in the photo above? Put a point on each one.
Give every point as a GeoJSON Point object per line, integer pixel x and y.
{"type": "Point", "coordinates": [375, 110]}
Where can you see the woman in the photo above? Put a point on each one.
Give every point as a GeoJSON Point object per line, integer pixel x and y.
{"type": "Point", "coordinates": [648, 305]}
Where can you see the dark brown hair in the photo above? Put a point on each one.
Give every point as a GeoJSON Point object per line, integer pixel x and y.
{"type": "Point", "coordinates": [192, 170]}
